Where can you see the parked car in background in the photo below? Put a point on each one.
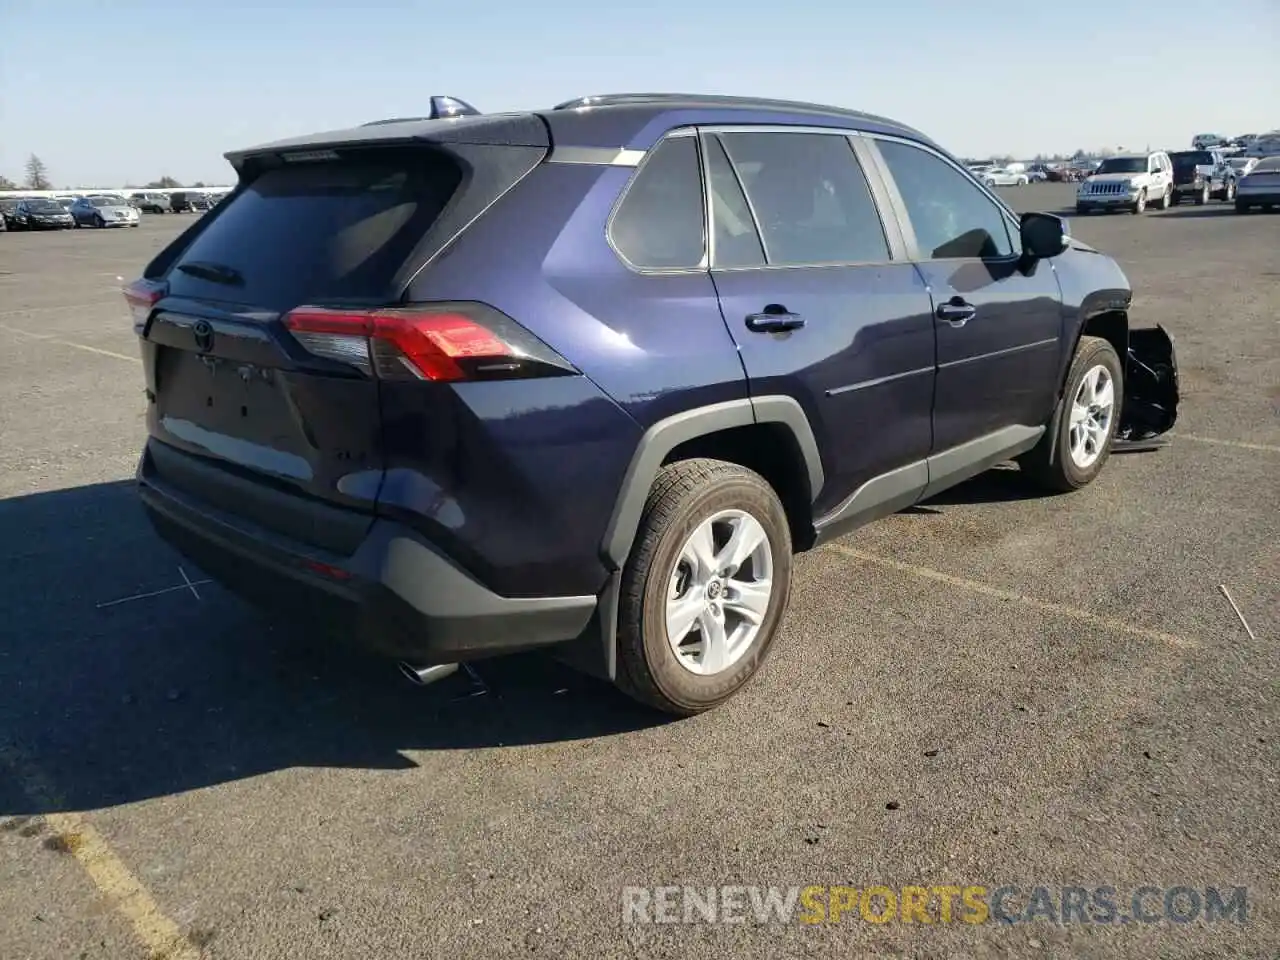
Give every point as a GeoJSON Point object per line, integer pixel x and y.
{"type": "Point", "coordinates": [1004, 177]}
{"type": "Point", "coordinates": [608, 435]}
{"type": "Point", "coordinates": [1202, 175]}
{"type": "Point", "coordinates": [1128, 182]}
{"type": "Point", "coordinates": [41, 213]}
{"type": "Point", "coordinates": [149, 202]}
{"type": "Point", "coordinates": [1037, 173]}
{"type": "Point", "coordinates": [188, 201]}
{"type": "Point", "coordinates": [11, 212]}
{"type": "Point", "coordinates": [65, 202]}
{"type": "Point", "coordinates": [1241, 166]}
{"type": "Point", "coordinates": [1260, 187]}
{"type": "Point", "coordinates": [1203, 141]}
{"type": "Point", "coordinates": [104, 210]}
{"type": "Point", "coordinates": [1265, 145]}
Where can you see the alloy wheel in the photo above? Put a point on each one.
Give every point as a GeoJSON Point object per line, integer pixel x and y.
{"type": "Point", "coordinates": [719, 592]}
{"type": "Point", "coordinates": [1092, 410]}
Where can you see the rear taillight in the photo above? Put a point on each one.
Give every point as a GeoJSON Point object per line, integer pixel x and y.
{"type": "Point", "coordinates": [142, 296]}
{"type": "Point", "coordinates": [440, 341]}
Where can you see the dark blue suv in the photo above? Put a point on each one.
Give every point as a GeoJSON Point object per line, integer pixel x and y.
{"type": "Point", "coordinates": [585, 378]}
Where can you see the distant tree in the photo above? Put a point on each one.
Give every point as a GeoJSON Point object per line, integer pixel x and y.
{"type": "Point", "coordinates": [164, 183]}
{"type": "Point", "coordinates": [7, 184]}
{"type": "Point", "coordinates": [198, 183]}
{"type": "Point", "coordinates": [37, 174]}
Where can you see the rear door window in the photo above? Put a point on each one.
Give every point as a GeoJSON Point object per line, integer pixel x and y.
{"type": "Point", "coordinates": [322, 233]}
{"type": "Point", "coordinates": [660, 224]}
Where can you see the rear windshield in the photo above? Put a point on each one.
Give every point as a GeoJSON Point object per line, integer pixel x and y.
{"type": "Point", "coordinates": [1185, 159]}
{"type": "Point", "coordinates": [321, 233]}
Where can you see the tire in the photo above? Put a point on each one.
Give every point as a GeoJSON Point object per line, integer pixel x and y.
{"type": "Point", "coordinates": [1051, 463]}
{"type": "Point", "coordinates": [99, 222]}
{"type": "Point", "coordinates": [1203, 196]}
{"type": "Point", "coordinates": [684, 499]}
{"type": "Point", "coordinates": [1140, 206]}
{"type": "Point", "coordinates": [1241, 206]}
{"type": "Point", "coordinates": [1083, 208]}
{"type": "Point", "coordinates": [1166, 199]}
{"type": "Point", "coordinates": [1229, 192]}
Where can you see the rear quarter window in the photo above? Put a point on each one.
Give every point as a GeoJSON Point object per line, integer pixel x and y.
{"type": "Point", "coordinates": [323, 233]}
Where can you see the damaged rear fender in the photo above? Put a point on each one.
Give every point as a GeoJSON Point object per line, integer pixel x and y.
{"type": "Point", "coordinates": [1150, 385]}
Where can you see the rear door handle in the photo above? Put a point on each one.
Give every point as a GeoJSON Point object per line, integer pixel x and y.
{"type": "Point", "coordinates": [956, 312]}
{"type": "Point", "coordinates": [774, 320]}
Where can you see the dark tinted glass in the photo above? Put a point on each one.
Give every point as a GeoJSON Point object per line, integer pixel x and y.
{"type": "Point", "coordinates": [322, 232]}
{"type": "Point", "coordinates": [810, 198]}
{"type": "Point", "coordinates": [659, 224]}
{"type": "Point", "coordinates": [737, 241]}
{"type": "Point", "coordinates": [952, 216]}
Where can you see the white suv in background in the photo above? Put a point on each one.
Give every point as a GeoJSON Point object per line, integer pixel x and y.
{"type": "Point", "coordinates": [1128, 182]}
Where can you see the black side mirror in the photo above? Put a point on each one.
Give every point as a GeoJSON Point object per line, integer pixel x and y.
{"type": "Point", "coordinates": [1043, 235]}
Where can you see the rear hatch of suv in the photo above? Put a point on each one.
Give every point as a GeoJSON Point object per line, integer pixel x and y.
{"type": "Point", "coordinates": [251, 379]}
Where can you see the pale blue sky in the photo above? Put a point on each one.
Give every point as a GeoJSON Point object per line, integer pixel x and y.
{"type": "Point", "coordinates": [129, 90]}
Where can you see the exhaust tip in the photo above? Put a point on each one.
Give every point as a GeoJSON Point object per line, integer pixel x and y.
{"type": "Point", "coordinates": [425, 675]}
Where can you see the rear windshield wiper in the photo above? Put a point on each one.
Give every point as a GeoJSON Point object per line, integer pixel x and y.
{"type": "Point", "coordinates": [213, 272]}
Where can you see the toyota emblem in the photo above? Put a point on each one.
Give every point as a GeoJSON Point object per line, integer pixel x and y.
{"type": "Point", "coordinates": [203, 331]}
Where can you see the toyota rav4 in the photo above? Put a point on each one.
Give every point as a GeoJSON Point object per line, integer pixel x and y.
{"type": "Point", "coordinates": [585, 378]}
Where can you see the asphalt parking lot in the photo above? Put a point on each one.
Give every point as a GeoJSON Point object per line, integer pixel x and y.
{"type": "Point", "coordinates": [993, 688]}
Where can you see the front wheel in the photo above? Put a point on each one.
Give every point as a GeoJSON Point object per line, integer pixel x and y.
{"type": "Point", "coordinates": [99, 222]}
{"type": "Point", "coordinates": [705, 588]}
{"type": "Point", "coordinates": [1229, 192]}
{"type": "Point", "coordinates": [1203, 196]}
{"type": "Point", "coordinates": [1140, 205]}
{"type": "Point", "coordinates": [1088, 414]}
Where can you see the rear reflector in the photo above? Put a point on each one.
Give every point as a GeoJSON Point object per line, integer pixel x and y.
{"type": "Point", "coordinates": [440, 342]}
{"type": "Point", "coordinates": [142, 296]}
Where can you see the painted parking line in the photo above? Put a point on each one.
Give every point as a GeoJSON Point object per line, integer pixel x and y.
{"type": "Point", "coordinates": [1047, 606]}
{"type": "Point", "coordinates": [68, 343]}
{"type": "Point", "coordinates": [1238, 444]}
{"type": "Point", "coordinates": [114, 302]}
{"type": "Point", "coordinates": [73, 833]}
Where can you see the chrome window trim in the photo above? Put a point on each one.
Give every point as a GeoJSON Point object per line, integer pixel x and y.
{"type": "Point", "coordinates": [597, 156]}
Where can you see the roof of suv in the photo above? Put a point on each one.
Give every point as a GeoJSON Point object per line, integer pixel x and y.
{"type": "Point", "coordinates": [610, 120]}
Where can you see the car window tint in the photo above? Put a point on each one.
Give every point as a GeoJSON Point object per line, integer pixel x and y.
{"type": "Point", "coordinates": [660, 222]}
{"type": "Point", "coordinates": [737, 242]}
{"type": "Point", "coordinates": [809, 197]}
{"type": "Point", "coordinates": [951, 215]}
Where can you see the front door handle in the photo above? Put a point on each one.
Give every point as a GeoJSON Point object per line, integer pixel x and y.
{"type": "Point", "coordinates": [956, 312]}
{"type": "Point", "coordinates": [774, 319]}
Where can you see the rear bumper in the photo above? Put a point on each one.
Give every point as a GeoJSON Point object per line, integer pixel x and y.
{"type": "Point", "coordinates": [1257, 195]}
{"type": "Point", "coordinates": [396, 594]}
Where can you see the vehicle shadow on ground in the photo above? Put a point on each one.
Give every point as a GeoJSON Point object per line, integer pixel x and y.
{"type": "Point", "coordinates": [114, 702]}
{"type": "Point", "coordinates": [1002, 484]}
{"type": "Point", "coordinates": [1191, 213]}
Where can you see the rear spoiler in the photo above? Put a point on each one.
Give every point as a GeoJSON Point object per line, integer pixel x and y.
{"type": "Point", "coordinates": [478, 129]}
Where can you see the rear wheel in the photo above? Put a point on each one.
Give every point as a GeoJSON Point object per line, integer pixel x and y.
{"type": "Point", "coordinates": [1203, 196]}
{"type": "Point", "coordinates": [1229, 192]}
{"type": "Point", "coordinates": [1166, 198]}
{"type": "Point", "coordinates": [1088, 415]}
{"type": "Point", "coordinates": [705, 588]}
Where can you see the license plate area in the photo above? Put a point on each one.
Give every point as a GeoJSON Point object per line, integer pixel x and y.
{"type": "Point", "coordinates": [228, 398]}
